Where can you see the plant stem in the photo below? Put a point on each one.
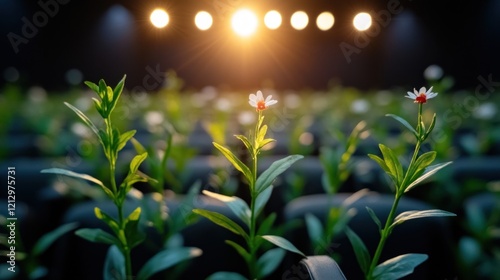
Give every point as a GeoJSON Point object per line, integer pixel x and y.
{"type": "Point", "coordinates": [386, 231]}
{"type": "Point", "coordinates": [252, 264]}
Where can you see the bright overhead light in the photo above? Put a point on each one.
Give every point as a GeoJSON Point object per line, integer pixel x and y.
{"type": "Point", "coordinates": [272, 19]}
{"type": "Point", "coordinates": [159, 18]}
{"type": "Point", "coordinates": [299, 20]}
{"type": "Point", "coordinates": [362, 21]}
{"type": "Point", "coordinates": [203, 20]}
{"type": "Point", "coordinates": [325, 21]}
{"type": "Point", "coordinates": [244, 22]}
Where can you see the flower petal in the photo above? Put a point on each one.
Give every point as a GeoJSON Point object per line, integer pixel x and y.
{"type": "Point", "coordinates": [411, 95]}
{"type": "Point", "coordinates": [252, 103]}
{"type": "Point", "coordinates": [271, 102]}
{"type": "Point", "coordinates": [422, 90]}
{"type": "Point", "coordinates": [259, 96]}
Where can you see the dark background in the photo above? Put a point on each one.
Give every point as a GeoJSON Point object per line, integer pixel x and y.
{"type": "Point", "coordinates": [106, 39]}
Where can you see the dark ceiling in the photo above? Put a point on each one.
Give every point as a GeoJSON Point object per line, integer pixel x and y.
{"type": "Point", "coordinates": [407, 36]}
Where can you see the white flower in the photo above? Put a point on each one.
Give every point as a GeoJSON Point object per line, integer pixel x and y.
{"type": "Point", "coordinates": [422, 95]}
{"type": "Point", "coordinates": [257, 101]}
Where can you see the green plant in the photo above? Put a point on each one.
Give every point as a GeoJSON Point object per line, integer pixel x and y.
{"type": "Point", "coordinates": [418, 170]}
{"type": "Point", "coordinates": [125, 228]}
{"type": "Point", "coordinates": [260, 191]}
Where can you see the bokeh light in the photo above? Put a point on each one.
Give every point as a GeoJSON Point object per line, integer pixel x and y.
{"type": "Point", "coordinates": [159, 18]}
{"type": "Point", "coordinates": [244, 22]}
{"type": "Point", "coordinates": [272, 20]}
{"type": "Point", "coordinates": [203, 20]}
{"type": "Point", "coordinates": [362, 21]}
{"type": "Point", "coordinates": [299, 20]}
{"type": "Point", "coordinates": [325, 21]}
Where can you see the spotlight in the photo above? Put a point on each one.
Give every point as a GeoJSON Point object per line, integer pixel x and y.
{"type": "Point", "coordinates": [299, 20]}
{"type": "Point", "coordinates": [272, 19]}
{"type": "Point", "coordinates": [325, 21]}
{"type": "Point", "coordinates": [203, 20]}
{"type": "Point", "coordinates": [244, 22]}
{"type": "Point", "coordinates": [159, 18]}
{"type": "Point", "coordinates": [362, 21]}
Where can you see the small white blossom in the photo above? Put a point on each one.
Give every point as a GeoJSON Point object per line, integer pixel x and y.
{"type": "Point", "coordinates": [422, 95]}
{"type": "Point", "coordinates": [257, 101]}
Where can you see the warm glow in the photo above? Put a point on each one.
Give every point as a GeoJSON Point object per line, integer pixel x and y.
{"type": "Point", "coordinates": [299, 20]}
{"type": "Point", "coordinates": [203, 20]}
{"type": "Point", "coordinates": [159, 18]}
{"type": "Point", "coordinates": [325, 21]}
{"type": "Point", "coordinates": [362, 21]}
{"type": "Point", "coordinates": [272, 19]}
{"type": "Point", "coordinates": [244, 22]}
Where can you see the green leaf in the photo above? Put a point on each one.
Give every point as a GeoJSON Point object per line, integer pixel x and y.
{"type": "Point", "coordinates": [382, 164]}
{"type": "Point", "coordinates": [102, 89]}
{"type": "Point", "coordinates": [374, 218]}
{"type": "Point", "coordinates": [226, 275]}
{"type": "Point", "coordinates": [136, 162]}
{"type": "Point", "coordinates": [222, 221]}
{"type": "Point", "coordinates": [69, 173]}
{"type": "Point", "coordinates": [405, 123]}
{"type": "Point", "coordinates": [429, 171]}
{"type": "Point", "coordinates": [392, 163]}
{"type": "Point", "coordinates": [431, 127]}
{"type": "Point", "coordinates": [360, 250]}
{"type": "Point", "coordinates": [118, 91]}
{"type": "Point", "coordinates": [139, 148]}
{"type": "Point", "coordinates": [276, 168]}
{"type": "Point", "coordinates": [262, 199]}
{"type": "Point", "coordinates": [269, 261]}
{"type": "Point", "coordinates": [283, 243]}
{"type": "Point", "coordinates": [114, 265]}
{"type": "Point", "coordinates": [85, 119]}
{"type": "Point", "coordinates": [122, 141]}
{"type": "Point", "coordinates": [132, 234]}
{"type": "Point", "coordinates": [398, 267]}
{"type": "Point", "coordinates": [97, 236]}
{"type": "Point", "coordinates": [242, 251]}
{"type": "Point", "coordinates": [245, 141]}
{"type": "Point", "coordinates": [92, 86]}
{"type": "Point", "coordinates": [47, 239]}
{"type": "Point", "coordinates": [314, 228]}
{"type": "Point", "coordinates": [240, 166]}
{"type": "Point", "coordinates": [420, 164]}
{"type": "Point", "coordinates": [112, 223]}
{"type": "Point", "coordinates": [417, 214]}
{"type": "Point", "coordinates": [267, 224]}
{"type": "Point", "coordinates": [166, 259]}
{"type": "Point", "coordinates": [236, 204]}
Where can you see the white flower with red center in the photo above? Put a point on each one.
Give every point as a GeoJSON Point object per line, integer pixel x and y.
{"type": "Point", "coordinates": [259, 103]}
{"type": "Point", "coordinates": [422, 95]}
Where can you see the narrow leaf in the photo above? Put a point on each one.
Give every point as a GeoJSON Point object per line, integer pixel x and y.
{"type": "Point", "coordinates": [314, 228]}
{"type": "Point", "coordinates": [269, 261]}
{"type": "Point", "coordinates": [226, 275]}
{"type": "Point", "coordinates": [136, 162]}
{"type": "Point", "coordinates": [222, 221]}
{"type": "Point", "coordinates": [392, 162]}
{"type": "Point", "coordinates": [245, 141]}
{"type": "Point", "coordinates": [276, 168]}
{"type": "Point", "coordinates": [267, 224]}
{"type": "Point", "coordinates": [283, 243]}
{"type": "Point", "coordinates": [139, 148]}
{"type": "Point", "coordinates": [69, 173]}
{"type": "Point", "coordinates": [417, 214]}
{"type": "Point", "coordinates": [240, 166]}
{"type": "Point", "coordinates": [429, 171]}
{"type": "Point", "coordinates": [166, 259]}
{"type": "Point", "coordinates": [360, 250]}
{"type": "Point", "coordinates": [114, 265]}
{"type": "Point", "coordinates": [236, 204]}
{"type": "Point", "coordinates": [47, 239]}
{"type": "Point", "coordinates": [85, 119]}
{"type": "Point", "coordinates": [92, 86]}
{"type": "Point", "coordinates": [112, 223]}
{"type": "Point", "coordinates": [404, 122]}
{"type": "Point", "coordinates": [97, 236]}
{"type": "Point", "coordinates": [380, 162]}
{"type": "Point", "coordinates": [431, 127]}
{"type": "Point", "coordinates": [374, 218]}
{"type": "Point", "coordinates": [242, 251]}
{"type": "Point", "coordinates": [262, 199]}
{"type": "Point", "coordinates": [122, 141]}
{"type": "Point", "coordinates": [398, 267]}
